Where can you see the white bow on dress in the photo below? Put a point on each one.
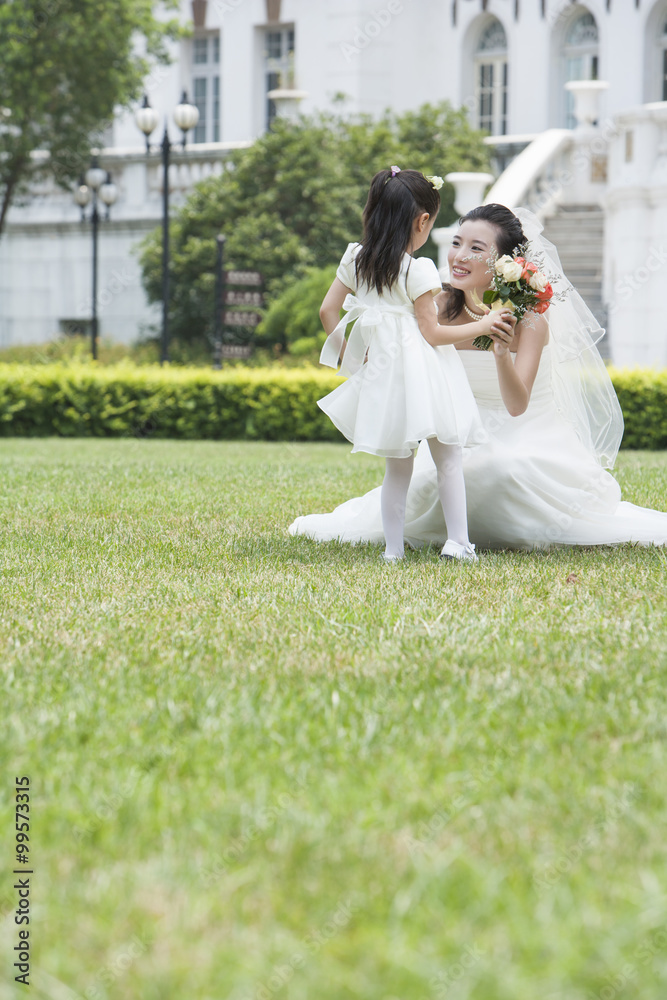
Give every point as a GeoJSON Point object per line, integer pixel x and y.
{"type": "Point", "coordinates": [366, 318]}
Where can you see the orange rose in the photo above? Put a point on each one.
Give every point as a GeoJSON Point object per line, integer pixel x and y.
{"type": "Point", "coordinates": [543, 300]}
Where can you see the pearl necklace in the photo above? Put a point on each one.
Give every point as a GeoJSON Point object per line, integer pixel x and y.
{"type": "Point", "coordinates": [472, 314]}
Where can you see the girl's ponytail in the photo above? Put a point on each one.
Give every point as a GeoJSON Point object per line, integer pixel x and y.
{"type": "Point", "coordinates": [395, 199]}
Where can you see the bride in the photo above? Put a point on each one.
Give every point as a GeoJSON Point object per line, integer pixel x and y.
{"type": "Point", "coordinates": [549, 409]}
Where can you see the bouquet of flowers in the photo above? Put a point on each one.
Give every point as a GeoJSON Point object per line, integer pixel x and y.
{"type": "Point", "coordinates": [518, 285]}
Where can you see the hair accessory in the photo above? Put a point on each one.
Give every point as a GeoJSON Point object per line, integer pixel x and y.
{"type": "Point", "coordinates": [436, 181]}
{"type": "Point", "coordinates": [395, 170]}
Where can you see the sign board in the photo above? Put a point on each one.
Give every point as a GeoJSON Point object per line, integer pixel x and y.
{"type": "Point", "coordinates": [243, 278]}
{"type": "Point", "coordinates": [244, 302]}
{"type": "Point", "coordinates": [235, 350]}
{"type": "Point", "coordinates": [236, 298]}
{"type": "Point", "coordinates": [233, 318]}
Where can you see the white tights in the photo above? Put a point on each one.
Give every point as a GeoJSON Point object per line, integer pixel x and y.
{"type": "Point", "coordinates": [448, 460]}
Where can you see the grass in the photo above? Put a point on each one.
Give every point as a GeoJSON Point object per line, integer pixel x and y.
{"type": "Point", "coordinates": [264, 768]}
{"type": "Point", "coordinates": [76, 348]}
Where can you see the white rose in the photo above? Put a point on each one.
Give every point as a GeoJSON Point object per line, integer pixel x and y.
{"type": "Point", "coordinates": [511, 271]}
{"type": "Point", "coordinates": [538, 281]}
{"type": "Point", "coordinates": [501, 262]}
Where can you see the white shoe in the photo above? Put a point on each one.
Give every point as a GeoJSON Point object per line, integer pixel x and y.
{"type": "Point", "coordinates": [392, 560]}
{"type": "Point", "coordinates": [463, 553]}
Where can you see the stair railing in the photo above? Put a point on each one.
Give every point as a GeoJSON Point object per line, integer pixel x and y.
{"type": "Point", "coordinates": [536, 178]}
{"type": "Point", "coordinates": [562, 165]}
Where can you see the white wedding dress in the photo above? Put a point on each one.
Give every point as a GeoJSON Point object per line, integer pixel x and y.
{"type": "Point", "coordinates": [533, 485]}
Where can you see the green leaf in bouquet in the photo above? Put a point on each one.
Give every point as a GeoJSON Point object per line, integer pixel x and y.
{"type": "Point", "coordinates": [505, 291]}
{"type": "Point", "coordinates": [490, 295]}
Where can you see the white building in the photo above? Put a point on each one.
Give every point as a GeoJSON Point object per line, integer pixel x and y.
{"type": "Point", "coordinates": [601, 189]}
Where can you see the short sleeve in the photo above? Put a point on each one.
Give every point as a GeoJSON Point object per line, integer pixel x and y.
{"type": "Point", "coordinates": [346, 272]}
{"type": "Point", "coordinates": [422, 277]}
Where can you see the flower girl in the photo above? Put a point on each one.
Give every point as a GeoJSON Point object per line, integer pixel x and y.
{"type": "Point", "coordinates": [406, 382]}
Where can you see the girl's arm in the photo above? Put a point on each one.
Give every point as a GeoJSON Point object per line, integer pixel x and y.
{"type": "Point", "coordinates": [436, 334]}
{"type": "Point", "coordinates": [332, 305]}
{"type": "Point", "coordinates": [516, 378]}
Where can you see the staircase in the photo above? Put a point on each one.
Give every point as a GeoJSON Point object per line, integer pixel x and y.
{"type": "Point", "coordinates": [535, 179]}
{"type": "Point", "coordinates": [577, 232]}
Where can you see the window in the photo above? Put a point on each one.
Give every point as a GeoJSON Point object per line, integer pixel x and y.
{"type": "Point", "coordinates": [663, 62]}
{"type": "Point", "coordinates": [216, 109]}
{"type": "Point", "coordinates": [274, 40]}
{"type": "Point", "coordinates": [655, 54]}
{"type": "Point", "coordinates": [491, 79]}
{"type": "Point", "coordinates": [201, 50]}
{"type": "Point", "coordinates": [206, 87]}
{"type": "Point", "coordinates": [201, 100]}
{"type": "Point", "coordinates": [75, 327]}
{"type": "Point", "coordinates": [581, 57]}
{"type": "Point", "coordinates": [278, 64]}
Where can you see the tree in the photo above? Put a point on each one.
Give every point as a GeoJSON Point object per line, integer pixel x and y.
{"type": "Point", "coordinates": [65, 66]}
{"type": "Point", "coordinates": [293, 200]}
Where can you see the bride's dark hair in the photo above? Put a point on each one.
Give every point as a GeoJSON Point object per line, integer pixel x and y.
{"type": "Point", "coordinates": [510, 236]}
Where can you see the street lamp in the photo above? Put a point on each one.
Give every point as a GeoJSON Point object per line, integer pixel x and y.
{"type": "Point", "coordinates": [186, 117]}
{"type": "Point", "coordinates": [96, 184]}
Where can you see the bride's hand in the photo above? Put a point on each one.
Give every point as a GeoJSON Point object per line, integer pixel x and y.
{"type": "Point", "coordinates": [502, 332]}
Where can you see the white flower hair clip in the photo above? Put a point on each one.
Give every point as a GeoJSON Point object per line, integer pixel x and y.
{"type": "Point", "coordinates": [436, 181]}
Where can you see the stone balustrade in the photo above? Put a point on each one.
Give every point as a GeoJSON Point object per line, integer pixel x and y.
{"type": "Point", "coordinates": [138, 179]}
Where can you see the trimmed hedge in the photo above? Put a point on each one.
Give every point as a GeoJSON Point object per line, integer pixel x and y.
{"type": "Point", "coordinates": [242, 403]}
{"type": "Point", "coordinates": [191, 403]}
{"type": "Point", "coordinates": [642, 393]}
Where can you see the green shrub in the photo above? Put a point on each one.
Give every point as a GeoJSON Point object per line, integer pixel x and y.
{"type": "Point", "coordinates": [76, 348]}
{"type": "Point", "coordinates": [271, 404]}
{"type": "Point", "coordinates": [642, 393]}
{"type": "Point", "coordinates": [293, 319]}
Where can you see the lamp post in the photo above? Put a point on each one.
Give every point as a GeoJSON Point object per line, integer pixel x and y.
{"type": "Point", "coordinates": [186, 117]}
{"type": "Point", "coordinates": [219, 300]}
{"type": "Point", "coordinates": [96, 184]}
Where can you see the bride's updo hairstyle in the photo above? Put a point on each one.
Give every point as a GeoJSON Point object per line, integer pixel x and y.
{"type": "Point", "coordinates": [395, 199]}
{"type": "Point", "coordinates": [510, 236]}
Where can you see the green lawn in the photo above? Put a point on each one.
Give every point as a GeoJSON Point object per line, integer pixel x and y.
{"type": "Point", "coordinates": [262, 768]}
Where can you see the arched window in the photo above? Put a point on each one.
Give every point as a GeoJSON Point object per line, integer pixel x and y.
{"type": "Point", "coordinates": [655, 54]}
{"type": "Point", "coordinates": [580, 56]}
{"type": "Point", "coordinates": [491, 79]}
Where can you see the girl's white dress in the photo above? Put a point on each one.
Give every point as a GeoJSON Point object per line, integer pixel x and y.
{"type": "Point", "coordinates": [532, 485]}
{"type": "Point", "coordinates": [407, 390]}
